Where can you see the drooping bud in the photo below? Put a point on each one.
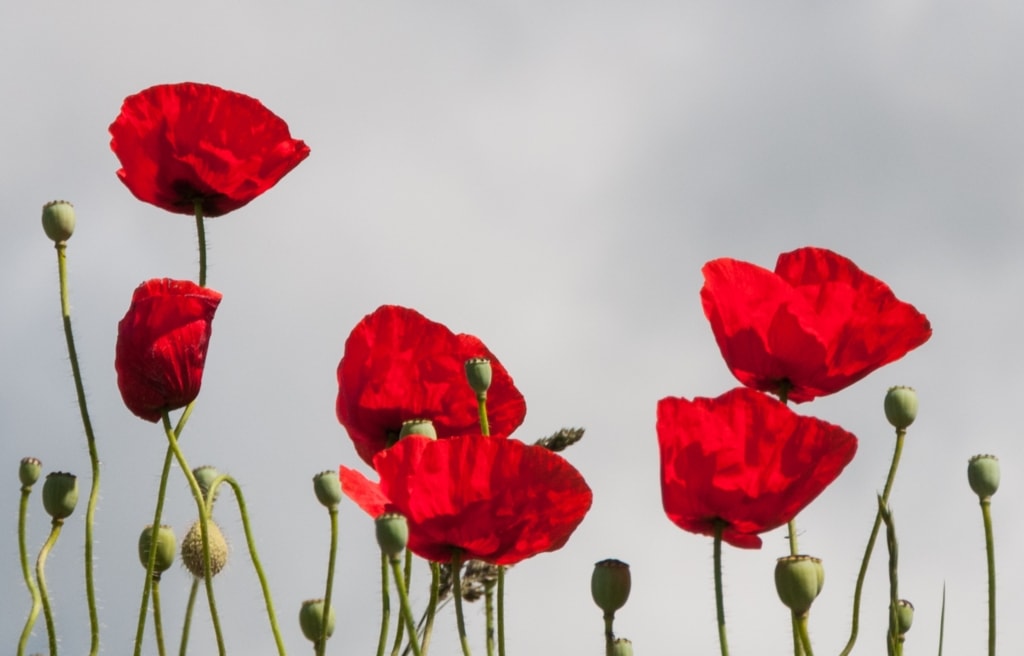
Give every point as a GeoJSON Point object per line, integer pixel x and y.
{"type": "Point", "coordinates": [166, 547]}
{"type": "Point", "coordinates": [478, 373]}
{"type": "Point", "coordinates": [423, 427]}
{"type": "Point", "coordinates": [59, 220]}
{"type": "Point", "coordinates": [798, 580]}
{"type": "Point", "coordinates": [901, 406]}
{"type": "Point", "coordinates": [29, 471]}
{"type": "Point", "coordinates": [983, 475]}
{"type": "Point", "coordinates": [620, 647]}
{"type": "Point", "coordinates": [392, 533]}
{"type": "Point", "coordinates": [192, 549]}
{"type": "Point", "coordinates": [610, 584]}
{"type": "Point", "coordinates": [904, 616]}
{"type": "Point", "coordinates": [205, 476]}
{"type": "Point", "coordinates": [60, 494]}
{"type": "Point", "coordinates": [311, 619]}
{"type": "Point", "coordinates": [327, 487]}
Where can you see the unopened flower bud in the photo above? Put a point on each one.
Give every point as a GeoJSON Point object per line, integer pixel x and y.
{"type": "Point", "coordinates": [621, 647]}
{"type": "Point", "coordinates": [60, 494]}
{"type": "Point", "coordinates": [423, 427]}
{"type": "Point", "coordinates": [983, 475]}
{"type": "Point", "coordinates": [798, 580]}
{"type": "Point", "coordinates": [166, 547]}
{"type": "Point", "coordinates": [327, 487]}
{"type": "Point", "coordinates": [610, 584]}
{"type": "Point", "coordinates": [392, 533]}
{"type": "Point", "coordinates": [478, 373]}
{"type": "Point", "coordinates": [311, 619]}
{"type": "Point", "coordinates": [904, 616]}
{"type": "Point", "coordinates": [901, 407]}
{"type": "Point", "coordinates": [58, 220]}
{"type": "Point", "coordinates": [192, 549]}
{"type": "Point", "coordinates": [205, 476]}
{"type": "Point", "coordinates": [29, 471]}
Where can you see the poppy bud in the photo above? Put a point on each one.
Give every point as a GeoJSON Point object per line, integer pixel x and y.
{"type": "Point", "coordinates": [620, 647]}
{"type": "Point", "coordinates": [901, 407]}
{"type": "Point", "coordinates": [327, 487]}
{"type": "Point", "coordinates": [166, 546]}
{"type": "Point", "coordinates": [392, 533]}
{"type": "Point", "coordinates": [904, 616]}
{"type": "Point", "coordinates": [798, 580]}
{"type": "Point", "coordinates": [983, 475]}
{"type": "Point", "coordinates": [478, 373]}
{"type": "Point", "coordinates": [205, 476]}
{"type": "Point", "coordinates": [311, 619]}
{"type": "Point", "coordinates": [192, 549]}
{"type": "Point", "coordinates": [29, 471]}
{"type": "Point", "coordinates": [423, 427]}
{"type": "Point", "coordinates": [610, 584]}
{"type": "Point", "coordinates": [60, 494]}
{"type": "Point", "coordinates": [58, 220]}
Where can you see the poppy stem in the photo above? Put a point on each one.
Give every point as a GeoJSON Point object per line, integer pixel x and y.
{"type": "Point", "coordinates": [435, 584]}
{"type": "Point", "coordinates": [90, 438]}
{"type": "Point", "coordinates": [201, 236]}
{"type": "Point", "coordinates": [719, 603]}
{"type": "Point", "coordinates": [805, 638]}
{"type": "Point", "coordinates": [892, 637]}
{"type": "Point", "coordinates": [385, 602]}
{"type": "Point", "coordinates": [406, 610]}
{"type": "Point", "coordinates": [990, 552]}
{"type": "Point", "coordinates": [30, 582]}
{"type": "Point", "coordinates": [158, 625]}
{"type": "Point", "coordinates": [481, 402]}
{"type": "Point", "coordinates": [489, 614]}
{"type": "Point", "coordinates": [406, 578]}
{"type": "Point", "coordinates": [855, 623]}
{"type": "Point", "coordinates": [51, 630]}
{"type": "Point", "coordinates": [187, 624]}
{"type": "Point", "coordinates": [321, 643]}
{"type": "Point", "coordinates": [457, 594]}
{"type": "Point", "coordinates": [501, 610]}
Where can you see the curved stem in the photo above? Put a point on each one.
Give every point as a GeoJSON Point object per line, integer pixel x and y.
{"type": "Point", "coordinates": [187, 624]}
{"type": "Point", "coordinates": [805, 638]}
{"type": "Point", "coordinates": [90, 438]}
{"type": "Point", "coordinates": [30, 582]}
{"type": "Point", "coordinates": [321, 644]}
{"type": "Point", "coordinates": [719, 603]}
{"type": "Point", "coordinates": [158, 625]}
{"type": "Point", "coordinates": [894, 465]}
{"type": "Point", "coordinates": [385, 603]}
{"type": "Point", "coordinates": [406, 610]}
{"type": "Point", "coordinates": [435, 584]}
{"type": "Point", "coordinates": [201, 236]}
{"type": "Point", "coordinates": [51, 630]}
{"type": "Point", "coordinates": [990, 552]}
{"type": "Point", "coordinates": [501, 610]}
{"type": "Point", "coordinates": [457, 595]}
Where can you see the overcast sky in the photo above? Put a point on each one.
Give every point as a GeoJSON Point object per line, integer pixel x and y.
{"type": "Point", "coordinates": [551, 178]}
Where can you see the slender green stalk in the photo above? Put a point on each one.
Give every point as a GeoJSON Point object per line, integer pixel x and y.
{"type": "Point", "coordinates": [489, 615]}
{"type": "Point", "coordinates": [385, 603]}
{"type": "Point", "coordinates": [855, 622]}
{"type": "Point", "coordinates": [201, 236]}
{"type": "Point", "coordinates": [719, 603]}
{"type": "Point", "coordinates": [51, 630]}
{"type": "Point", "coordinates": [158, 625]}
{"type": "Point", "coordinates": [893, 641]}
{"type": "Point", "coordinates": [406, 610]}
{"type": "Point", "coordinates": [30, 582]}
{"type": "Point", "coordinates": [794, 547]}
{"type": "Point", "coordinates": [435, 584]}
{"type": "Point", "coordinates": [805, 638]}
{"type": "Point", "coordinates": [406, 577]}
{"type": "Point", "coordinates": [990, 552]}
{"type": "Point", "coordinates": [457, 595]}
{"type": "Point", "coordinates": [942, 619]}
{"type": "Point", "coordinates": [187, 624]}
{"type": "Point", "coordinates": [481, 402]}
{"type": "Point", "coordinates": [321, 643]}
{"type": "Point", "coordinates": [90, 438]}
{"type": "Point", "coordinates": [798, 649]}
{"type": "Point", "coordinates": [501, 610]}
{"type": "Point", "coordinates": [609, 633]}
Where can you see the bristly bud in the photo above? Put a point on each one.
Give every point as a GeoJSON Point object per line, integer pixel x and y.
{"type": "Point", "coordinates": [798, 580]}
{"type": "Point", "coordinates": [904, 616]}
{"type": "Point", "coordinates": [166, 547]}
{"type": "Point", "coordinates": [610, 584]}
{"type": "Point", "coordinates": [59, 220]}
{"type": "Point", "coordinates": [901, 406]}
{"type": "Point", "coordinates": [192, 549]}
{"type": "Point", "coordinates": [29, 471]}
{"type": "Point", "coordinates": [423, 427]}
{"type": "Point", "coordinates": [205, 476]}
{"type": "Point", "coordinates": [620, 647]}
{"type": "Point", "coordinates": [983, 475]}
{"type": "Point", "coordinates": [478, 373]}
{"type": "Point", "coordinates": [311, 619]}
{"type": "Point", "coordinates": [60, 494]}
{"type": "Point", "coordinates": [327, 487]}
{"type": "Point", "coordinates": [392, 533]}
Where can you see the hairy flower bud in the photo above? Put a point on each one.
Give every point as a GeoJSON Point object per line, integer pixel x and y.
{"type": "Point", "coordinates": [60, 494]}
{"type": "Point", "coordinates": [610, 584]}
{"type": "Point", "coordinates": [983, 475]}
{"type": "Point", "coordinates": [205, 476]}
{"type": "Point", "coordinates": [192, 549]}
{"type": "Point", "coordinates": [904, 616]}
{"type": "Point", "coordinates": [59, 220]}
{"type": "Point", "coordinates": [901, 407]}
{"type": "Point", "coordinates": [166, 547]}
{"type": "Point", "coordinates": [311, 619]}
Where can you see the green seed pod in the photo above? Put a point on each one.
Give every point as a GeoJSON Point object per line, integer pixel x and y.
{"type": "Point", "coordinates": [478, 373]}
{"type": "Point", "coordinates": [621, 647]}
{"type": "Point", "coordinates": [423, 427]}
{"type": "Point", "coordinates": [610, 584]}
{"type": "Point", "coordinates": [29, 471]}
{"type": "Point", "coordinates": [904, 616]}
{"type": "Point", "coordinates": [166, 547]}
{"type": "Point", "coordinates": [60, 494]}
{"type": "Point", "coordinates": [901, 406]}
{"type": "Point", "coordinates": [311, 619]}
{"type": "Point", "coordinates": [983, 475]}
{"type": "Point", "coordinates": [392, 533]}
{"type": "Point", "coordinates": [59, 220]}
{"type": "Point", "coordinates": [205, 476]}
{"type": "Point", "coordinates": [798, 580]}
{"type": "Point", "coordinates": [192, 549]}
{"type": "Point", "coordinates": [327, 487]}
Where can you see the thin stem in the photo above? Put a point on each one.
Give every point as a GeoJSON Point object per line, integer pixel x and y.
{"type": "Point", "coordinates": [457, 595]}
{"type": "Point", "coordinates": [719, 603]}
{"type": "Point", "coordinates": [30, 582]}
{"type": "Point", "coordinates": [489, 615]}
{"type": "Point", "coordinates": [385, 603]}
{"type": "Point", "coordinates": [401, 579]}
{"type": "Point", "coordinates": [609, 633]}
{"type": "Point", "coordinates": [893, 547]}
{"type": "Point", "coordinates": [321, 643]}
{"type": "Point", "coordinates": [90, 438]}
{"type": "Point", "coordinates": [201, 236]}
{"type": "Point", "coordinates": [798, 648]}
{"type": "Point", "coordinates": [942, 619]}
{"type": "Point", "coordinates": [406, 610]}
{"type": "Point", "coordinates": [894, 465]}
{"type": "Point", "coordinates": [990, 552]}
{"type": "Point", "coordinates": [435, 584]}
{"type": "Point", "coordinates": [805, 638]}
{"type": "Point", "coordinates": [481, 403]}
{"type": "Point", "coordinates": [187, 624]}
{"type": "Point", "coordinates": [51, 631]}
{"type": "Point", "coordinates": [501, 610]}
{"type": "Point", "coordinates": [158, 625]}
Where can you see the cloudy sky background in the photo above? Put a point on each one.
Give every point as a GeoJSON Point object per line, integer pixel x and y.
{"type": "Point", "coordinates": [550, 179]}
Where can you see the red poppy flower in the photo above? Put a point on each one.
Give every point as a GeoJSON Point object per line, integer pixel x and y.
{"type": "Point", "coordinates": [161, 345]}
{"type": "Point", "coordinates": [746, 460]}
{"type": "Point", "coordinates": [814, 326]}
{"type": "Point", "coordinates": [183, 143]}
{"type": "Point", "coordinates": [500, 501]}
{"type": "Point", "coordinates": [398, 365]}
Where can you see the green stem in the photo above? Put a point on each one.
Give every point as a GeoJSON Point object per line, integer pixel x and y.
{"type": "Point", "coordinates": [805, 638]}
{"type": "Point", "coordinates": [187, 624]}
{"type": "Point", "coordinates": [400, 629]}
{"type": "Point", "coordinates": [719, 603]}
{"type": "Point", "coordinates": [435, 584]}
{"type": "Point", "coordinates": [26, 572]}
{"type": "Point", "coordinates": [51, 630]}
{"type": "Point", "coordinates": [855, 623]}
{"type": "Point", "coordinates": [385, 611]}
{"type": "Point", "coordinates": [406, 610]}
{"type": "Point", "coordinates": [457, 595]}
{"type": "Point", "coordinates": [501, 610]}
{"type": "Point", "coordinates": [893, 547]}
{"type": "Point", "coordinates": [201, 236]}
{"type": "Point", "coordinates": [489, 615]}
{"type": "Point", "coordinates": [90, 438]}
{"type": "Point", "coordinates": [609, 633]}
{"type": "Point", "coordinates": [798, 648]}
{"type": "Point", "coordinates": [158, 625]}
{"type": "Point", "coordinates": [990, 552]}
{"type": "Point", "coordinates": [321, 643]}
{"type": "Point", "coordinates": [481, 403]}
